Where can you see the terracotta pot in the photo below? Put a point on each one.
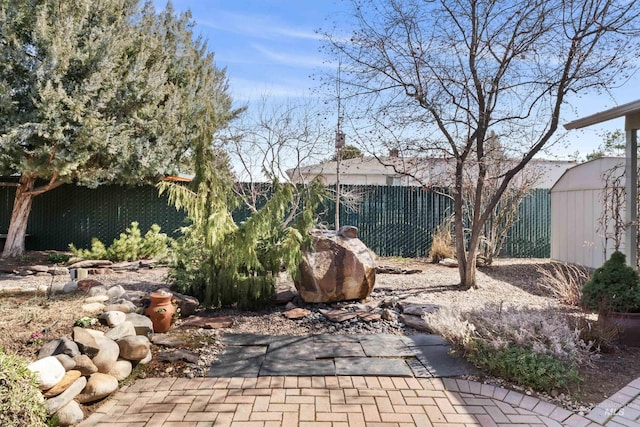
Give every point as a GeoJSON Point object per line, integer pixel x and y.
{"type": "Point", "coordinates": [627, 324]}
{"type": "Point", "coordinates": [160, 311]}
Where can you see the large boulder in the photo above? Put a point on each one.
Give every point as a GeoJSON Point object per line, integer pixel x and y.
{"type": "Point", "coordinates": [339, 267]}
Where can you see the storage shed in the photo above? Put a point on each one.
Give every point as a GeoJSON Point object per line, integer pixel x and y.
{"type": "Point", "coordinates": [576, 208]}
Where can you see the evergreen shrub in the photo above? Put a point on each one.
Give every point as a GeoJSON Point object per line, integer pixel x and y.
{"type": "Point", "coordinates": [613, 287]}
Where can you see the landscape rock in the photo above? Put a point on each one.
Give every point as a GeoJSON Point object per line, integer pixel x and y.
{"type": "Point", "coordinates": [70, 414]}
{"type": "Point", "coordinates": [113, 318]}
{"type": "Point", "coordinates": [85, 365]}
{"type": "Point", "coordinates": [337, 268]}
{"type": "Point", "coordinates": [85, 341]}
{"type": "Point", "coordinates": [115, 292]}
{"type": "Point", "coordinates": [99, 271]}
{"type": "Point", "coordinates": [389, 315]}
{"type": "Point", "coordinates": [415, 322]}
{"type": "Point", "coordinates": [296, 313]}
{"type": "Point", "coordinates": [167, 340]}
{"type": "Point", "coordinates": [178, 355]}
{"type": "Point", "coordinates": [368, 316]}
{"type": "Point", "coordinates": [54, 404]}
{"type": "Point", "coordinates": [92, 308]}
{"type": "Point", "coordinates": [122, 330]}
{"type": "Point", "coordinates": [121, 369]}
{"type": "Point", "coordinates": [70, 287]}
{"type": "Point", "coordinates": [417, 308]}
{"type": "Point", "coordinates": [338, 316]}
{"type": "Point", "coordinates": [85, 284]}
{"type": "Point", "coordinates": [67, 347]}
{"type": "Point", "coordinates": [146, 359]}
{"type": "Point", "coordinates": [67, 361]}
{"type": "Point", "coordinates": [134, 347]}
{"type": "Point", "coordinates": [107, 356]}
{"type": "Point", "coordinates": [49, 348]}
{"type": "Point", "coordinates": [67, 380]}
{"type": "Point", "coordinates": [284, 297]}
{"type": "Point", "coordinates": [122, 308]}
{"type": "Point", "coordinates": [98, 387]}
{"type": "Point", "coordinates": [97, 290]}
{"type": "Point", "coordinates": [126, 266]}
{"type": "Point", "coordinates": [58, 271]}
{"type": "Point", "coordinates": [186, 303]}
{"type": "Point", "coordinates": [142, 324]}
{"type": "Point", "coordinates": [91, 263]}
{"type": "Point", "coordinates": [39, 268]}
{"type": "Point", "coordinates": [449, 262]}
{"type": "Point", "coordinates": [49, 371]}
{"type": "Point", "coordinates": [97, 298]}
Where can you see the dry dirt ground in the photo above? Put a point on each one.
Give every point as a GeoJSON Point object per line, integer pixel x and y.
{"type": "Point", "coordinates": [509, 280]}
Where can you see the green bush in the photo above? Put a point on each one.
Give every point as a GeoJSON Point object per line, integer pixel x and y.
{"type": "Point", "coordinates": [130, 246]}
{"type": "Point", "coordinates": [539, 371]}
{"type": "Point", "coordinates": [58, 258]}
{"type": "Point", "coordinates": [613, 287]}
{"type": "Point", "coordinates": [21, 402]}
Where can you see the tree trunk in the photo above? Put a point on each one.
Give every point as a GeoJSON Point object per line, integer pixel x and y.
{"type": "Point", "coordinates": [14, 245]}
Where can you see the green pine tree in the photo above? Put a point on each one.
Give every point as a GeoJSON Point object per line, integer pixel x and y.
{"type": "Point", "coordinates": [97, 92]}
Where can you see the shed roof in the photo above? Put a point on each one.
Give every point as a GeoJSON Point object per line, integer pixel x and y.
{"type": "Point", "coordinates": [624, 110]}
{"type": "Point", "coordinates": [587, 175]}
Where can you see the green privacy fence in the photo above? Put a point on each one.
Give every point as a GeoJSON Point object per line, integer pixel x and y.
{"type": "Point", "coordinates": [392, 221]}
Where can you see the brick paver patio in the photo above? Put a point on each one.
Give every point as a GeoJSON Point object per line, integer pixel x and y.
{"type": "Point", "coordinates": [352, 401]}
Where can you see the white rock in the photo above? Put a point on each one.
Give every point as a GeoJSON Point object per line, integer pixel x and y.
{"type": "Point", "coordinates": [93, 308]}
{"type": "Point", "coordinates": [134, 347]}
{"type": "Point", "coordinates": [49, 371]}
{"type": "Point", "coordinates": [115, 292]}
{"type": "Point", "coordinates": [97, 298]}
{"type": "Point", "coordinates": [108, 354]}
{"type": "Point", "coordinates": [114, 318]}
{"type": "Point", "coordinates": [121, 369]}
{"type": "Point", "coordinates": [98, 387]}
{"type": "Point", "coordinates": [146, 359]}
{"type": "Point", "coordinates": [123, 330]}
{"type": "Point", "coordinates": [70, 287]}
{"type": "Point", "coordinates": [54, 404]}
{"type": "Point", "coordinates": [70, 414]}
{"type": "Point", "coordinates": [97, 290]}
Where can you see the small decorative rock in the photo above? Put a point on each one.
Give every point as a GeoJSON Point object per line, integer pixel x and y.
{"type": "Point", "coordinates": [115, 291]}
{"type": "Point", "coordinates": [123, 330]}
{"type": "Point", "coordinates": [86, 341]}
{"type": "Point", "coordinates": [67, 361]}
{"type": "Point", "coordinates": [98, 387]}
{"type": "Point", "coordinates": [296, 313]}
{"type": "Point", "coordinates": [54, 404]}
{"type": "Point", "coordinates": [97, 290]}
{"type": "Point", "coordinates": [121, 369]}
{"type": "Point", "coordinates": [122, 308]}
{"type": "Point", "coordinates": [114, 318]}
{"type": "Point", "coordinates": [108, 354]}
{"type": "Point", "coordinates": [146, 359]}
{"type": "Point", "coordinates": [70, 287]}
{"type": "Point", "coordinates": [389, 315]}
{"type": "Point", "coordinates": [69, 378]}
{"type": "Point", "coordinates": [415, 322]}
{"type": "Point", "coordinates": [49, 372]}
{"type": "Point", "coordinates": [96, 298]}
{"type": "Point", "coordinates": [85, 284]}
{"type": "Point", "coordinates": [70, 414]}
{"type": "Point", "coordinates": [134, 347]}
{"type": "Point", "coordinates": [93, 308]}
{"type": "Point", "coordinates": [85, 365]}
{"type": "Point", "coordinates": [142, 324]}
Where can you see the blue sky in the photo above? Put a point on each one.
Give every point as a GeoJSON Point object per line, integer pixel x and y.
{"type": "Point", "coordinates": [270, 48]}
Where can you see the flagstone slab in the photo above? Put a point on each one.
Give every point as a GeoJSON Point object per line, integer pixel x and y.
{"type": "Point", "coordinates": [372, 366]}
{"type": "Point", "coordinates": [441, 363]}
{"type": "Point", "coordinates": [425, 340]}
{"type": "Point", "coordinates": [248, 368]}
{"type": "Point", "coordinates": [307, 368]}
{"type": "Point", "coordinates": [384, 345]}
{"type": "Point", "coordinates": [246, 339]}
{"type": "Point", "coordinates": [325, 350]}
